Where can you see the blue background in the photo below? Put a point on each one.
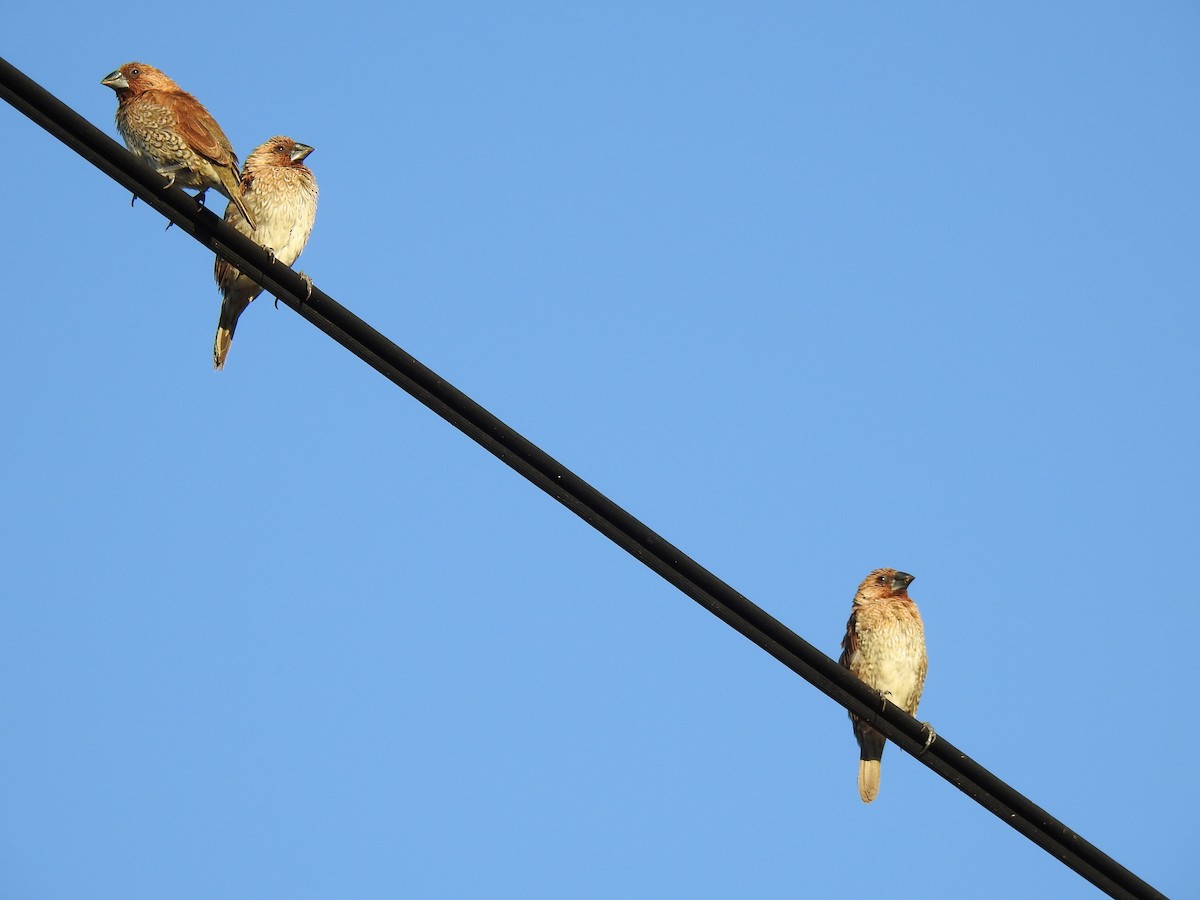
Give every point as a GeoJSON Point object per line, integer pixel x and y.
{"type": "Point", "coordinates": [809, 290]}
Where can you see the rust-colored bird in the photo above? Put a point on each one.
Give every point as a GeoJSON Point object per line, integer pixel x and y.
{"type": "Point", "coordinates": [173, 132]}
{"type": "Point", "coordinates": [282, 192]}
{"type": "Point", "coordinates": [885, 647]}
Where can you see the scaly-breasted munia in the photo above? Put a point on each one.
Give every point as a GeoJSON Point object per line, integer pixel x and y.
{"type": "Point", "coordinates": [173, 132]}
{"type": "Point", "coordinates": [282, 193]}
{"type": "Point", "coordinates": [885, 647]}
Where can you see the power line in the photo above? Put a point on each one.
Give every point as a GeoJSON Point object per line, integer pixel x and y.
{"type": "Point", "coordinates": [569, 489]}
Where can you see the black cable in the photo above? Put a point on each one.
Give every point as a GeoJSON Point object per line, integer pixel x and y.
{"type": "Point", "coordinates": [568, 489]}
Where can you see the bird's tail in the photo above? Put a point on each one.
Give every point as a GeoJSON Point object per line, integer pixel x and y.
{"type": "Point", "coordinates": [233, 190]}
{"type": "Point", "coordinates": [221, 348]}
{"type": "Point", "coordinates": [868, 779]}
{"type": "Point", "coordinates": [225, 327]}
{"type": "Point", "coordinates": [870, 744]}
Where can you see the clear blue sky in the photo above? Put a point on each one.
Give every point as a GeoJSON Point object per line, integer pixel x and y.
{"type": "Point", "coordinates": [808, 290]}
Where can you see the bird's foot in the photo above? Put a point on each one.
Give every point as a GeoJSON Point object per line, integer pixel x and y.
{"type": "Point", "coordinates": [132, 201]}
{"type": "Point", "coordinates": [308, 284]}
{"type": "Point", "coordinates": [883, 699]}
{"type": "Point", "coordinates": [930, 736]}
{"type": "Point", "coordinates": [271, 257]}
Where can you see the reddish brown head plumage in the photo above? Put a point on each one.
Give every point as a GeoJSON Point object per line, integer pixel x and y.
{"type": "Point", "coordinates": [883, 584]}
{"type": "Point", "coordinates": [135, 78]}
{"type": "Point", "coordinates": [280, 150]}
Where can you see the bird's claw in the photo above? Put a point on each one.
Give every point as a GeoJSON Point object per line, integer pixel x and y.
{"type": "Point", "coordinates": [308, 284]}
{"type": "Point", "coordinates": [930, 736]}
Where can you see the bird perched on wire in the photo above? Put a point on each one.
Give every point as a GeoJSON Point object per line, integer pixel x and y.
{"type": "Point", "coordinates": [281, 191]}
{"type": "Point", "coordinates": [173, 132]}
{"type": "Point", "coordinates": [884, 646]}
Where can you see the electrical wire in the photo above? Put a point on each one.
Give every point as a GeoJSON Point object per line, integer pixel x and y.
{"type": "Point", "coordinates": [569, 489]}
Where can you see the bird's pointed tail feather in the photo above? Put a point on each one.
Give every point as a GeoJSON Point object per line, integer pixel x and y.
{"type": "Point", "coordinates": [870, 746]}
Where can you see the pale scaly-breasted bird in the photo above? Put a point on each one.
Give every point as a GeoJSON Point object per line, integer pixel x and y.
{"type": "Point", "coordinates": [173, 132]}
{"type": "Point", "coordinates": [282, 193]}
{"type": "Point", "coordinates": [884, 646]}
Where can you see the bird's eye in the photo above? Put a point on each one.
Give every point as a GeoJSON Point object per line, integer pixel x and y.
{"type": "Point", "coordinates": [135, 72]}
{"type": "Point", "coordinates": [881, 580]}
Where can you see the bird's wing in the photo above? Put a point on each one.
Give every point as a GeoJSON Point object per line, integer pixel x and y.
{"type": "Point", "coordinates": [201, 130]}
{"type": "Point", "coordinates": [850, 641]}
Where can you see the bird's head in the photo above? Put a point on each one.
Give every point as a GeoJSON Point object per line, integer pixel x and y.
{"type": "Point", "coordinates": [885, 583]}
{"type": "Point", "coordinates": [279, 151]}
{"type": "Point", "coordinates": [134, 78]}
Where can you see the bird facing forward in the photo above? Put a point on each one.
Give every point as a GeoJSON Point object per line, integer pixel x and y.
{"type": "Point", "coordinates": [282, 193]}
{"type": "Point", "coordinates": [172, 131]}
{"type": "Point", "coordinates": [884, 646]}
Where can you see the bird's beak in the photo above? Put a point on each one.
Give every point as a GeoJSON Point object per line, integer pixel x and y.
{"type": "Point", "coordinates": [115, 80]}
{"type": "Point", "coordinates": [901, 581]}
{"type": "Point", "coordinates": [300, 151]}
